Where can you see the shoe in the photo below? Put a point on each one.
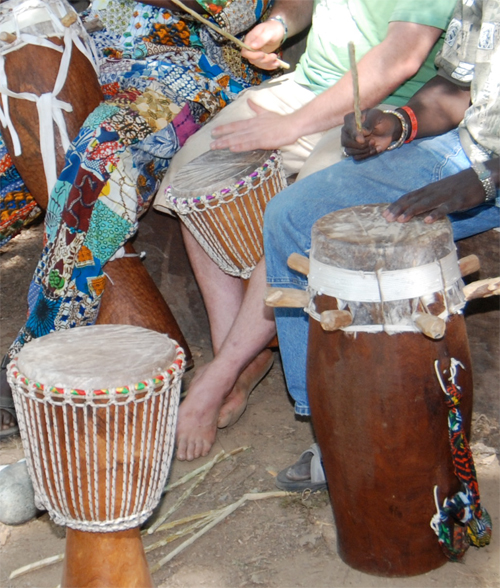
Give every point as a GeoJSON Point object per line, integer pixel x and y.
{"type": "Point", "coordinates": [7, 405]}
{"type": "Point", "coordinates": [306, 473]}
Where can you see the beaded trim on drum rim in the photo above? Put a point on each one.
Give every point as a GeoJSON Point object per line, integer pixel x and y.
{"type": "Point", "coordinates": [99, 463]}
{"type": "Point", "coordinates": [225, 195]}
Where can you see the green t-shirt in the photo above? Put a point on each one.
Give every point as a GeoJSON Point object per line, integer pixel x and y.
{"type": "Point", "coordinates": [365, 23]}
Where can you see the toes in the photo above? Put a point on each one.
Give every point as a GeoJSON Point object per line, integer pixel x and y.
{"type": "Point", "coordinates": [181, 449]}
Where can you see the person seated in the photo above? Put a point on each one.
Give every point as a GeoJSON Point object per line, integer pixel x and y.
{"type": "Point", "coordinates": [163, 76]}
{"type": "Point", "coordinates": [450, 166]}
{"type": "Point", "coordinates": [301, 113]}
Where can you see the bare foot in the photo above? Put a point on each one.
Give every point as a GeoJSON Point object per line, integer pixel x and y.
{"type": "Point", "coordinates": [236, 401]}
{"type": "Point", "coordinates": [199, 412]}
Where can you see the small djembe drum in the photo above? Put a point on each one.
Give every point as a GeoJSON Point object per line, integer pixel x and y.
{"type": "Point", "coordinates": [376, 401]}
{"type": "Point", "coordinates": [221, 198]}
{"type": "Point", "coordinates": [97, 410]}
{"type": "Point", "coordinates": [49, 85]}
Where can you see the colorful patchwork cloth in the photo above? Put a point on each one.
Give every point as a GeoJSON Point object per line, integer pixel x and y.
{"type": "Point", "coordinates": [163, 76]}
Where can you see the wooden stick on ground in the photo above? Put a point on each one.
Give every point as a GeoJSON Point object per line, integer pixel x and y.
{"type": "Point", "coordinates": [223, 515]}
{"type": "Point", "coordinates": [222, 32]}
{"type": "Point", "coordinates": [355, 85]}
{"type": "Point", "coordinates": [37, 565]}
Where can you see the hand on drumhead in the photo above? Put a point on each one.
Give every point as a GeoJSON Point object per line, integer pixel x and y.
{"type": "Point", "coordinates": [379, 130]}
{"type": "Point", "coordinates": [453, 194]}
{"type": "Point", "coordinates": [266, 130]}
{"type": "Point", "coordinates": [265, 38]}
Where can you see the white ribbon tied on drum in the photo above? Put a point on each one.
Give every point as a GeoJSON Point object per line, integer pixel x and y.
{"type": "Point", "coordinates": [383, 285]}
{"type": "Point", "coordinates": [50, 108]}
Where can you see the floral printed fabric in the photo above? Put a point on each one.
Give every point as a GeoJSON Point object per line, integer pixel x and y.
{"type": "Point", "coordinates": [163, 76]}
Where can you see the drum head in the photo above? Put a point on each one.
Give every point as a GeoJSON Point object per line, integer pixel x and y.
{"type": "Point", "coordinates": [216, 170]}
{"type": "Point", "coordinates": [96, 357]}
{"type": "Point", "coordinates": [359, 238]}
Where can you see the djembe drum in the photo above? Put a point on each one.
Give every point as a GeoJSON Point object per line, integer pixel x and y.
{"type": "Point", "coordinates": [221, 198]}
{"type": "Point", "coordinates": [97, 409]}
{"type": "Point", "coordinates": [376, 402]}
{"type": "Point", "coordinates": [49, 85]}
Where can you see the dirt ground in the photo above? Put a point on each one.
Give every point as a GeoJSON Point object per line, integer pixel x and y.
{"type": "Point", "coordinates": [277, 542]}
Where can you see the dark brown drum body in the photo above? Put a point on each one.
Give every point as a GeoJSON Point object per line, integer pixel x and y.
{"type": "Point", "coordinates": [33, 68]}
{"type": "Point", "coordinates": [377, 407]}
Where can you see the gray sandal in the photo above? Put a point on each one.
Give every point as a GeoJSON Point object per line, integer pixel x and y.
{"type": "Point", "coordinates": [292, 479]}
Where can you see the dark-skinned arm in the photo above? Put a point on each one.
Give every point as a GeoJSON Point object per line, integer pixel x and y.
{"type": "Point", "coordinates": [456, 193]}
{"type": "Point", "coordinates": [439, 107]}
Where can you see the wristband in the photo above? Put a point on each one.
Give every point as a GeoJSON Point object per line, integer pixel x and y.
{"type": "Point", "coordinates": [484, 176]}
{"type": "Point", "coordinates": [404, 132]}
{"type": "Point", "coordinates": [413, 122]}
{"type": "Point", "coordinates": [281, 20]}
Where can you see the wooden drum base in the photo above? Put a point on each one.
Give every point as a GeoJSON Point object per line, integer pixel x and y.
{"type": "Point", "coordinates": [111, 560]}
{"type": "Point", "coordinates": [381, 422]}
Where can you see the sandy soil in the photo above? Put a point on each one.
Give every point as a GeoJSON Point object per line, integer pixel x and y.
{"type": "Point", "coordinates": [279, 542]}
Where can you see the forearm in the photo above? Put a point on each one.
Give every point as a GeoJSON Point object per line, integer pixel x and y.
{"type": "Point", "coordinates": [439, 106]}
{"type": "Point", "coordinates": [296, 13]}
{"type": "Point", "coordinates": [169, 5]}
{"type": "Point", "coordinates": [381, 71]}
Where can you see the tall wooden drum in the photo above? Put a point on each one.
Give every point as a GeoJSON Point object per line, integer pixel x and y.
{"type": "Point", "coordinates": [97, 409]}
{"type": "Point", "coordinates": [376, 402]}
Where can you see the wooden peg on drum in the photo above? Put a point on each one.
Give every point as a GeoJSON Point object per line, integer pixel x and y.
{"type": "Point", "coordinates": [97, 409]}
{"type": "Point", "coordinates": [286, 298]}
{"type": "Point", "coordinates": [432, 326]}
{"type": "Point", "coordinates": [482, 289]}
{"type": "Point", "coordinates": [299, 263]}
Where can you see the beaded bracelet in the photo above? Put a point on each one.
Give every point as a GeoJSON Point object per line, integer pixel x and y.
{"type": "Point", "coordinates": [281, 20]}
{"type": "Point", "coordinates": [413, 122]}
{"type": "Point", "coordinates": [404, 132]}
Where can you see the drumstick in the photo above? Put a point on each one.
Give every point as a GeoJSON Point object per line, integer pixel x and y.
{"type": "Point", "coordinates": [225, 34]}
{"type": "Point", "coordinates": [355, 85]}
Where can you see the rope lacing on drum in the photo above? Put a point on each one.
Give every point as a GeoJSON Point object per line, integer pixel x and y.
{"type": "Point", "coordinates": [68, 483]}
{"type": "Point", "coordinates": [50, 108]}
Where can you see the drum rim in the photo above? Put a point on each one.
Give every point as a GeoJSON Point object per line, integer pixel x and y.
{"type": "Point", "coordinates": [47, 391]}
{"type": "Point", "coordinates": [185, 205]}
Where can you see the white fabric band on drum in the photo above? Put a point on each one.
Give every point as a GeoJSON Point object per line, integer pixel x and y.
{"type": "Point", "coordinates": [384, 285]}
{"type": "Point", "coordinates": [49, 108]}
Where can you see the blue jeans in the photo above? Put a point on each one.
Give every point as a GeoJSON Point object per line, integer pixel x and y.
{"type": "Point", "coordinates": [290, 215]}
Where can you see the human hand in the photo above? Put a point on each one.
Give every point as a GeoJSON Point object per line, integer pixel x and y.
{"type": "Point", "coordinates": [267, 130]}
{"type": "Point", "coordinates": [379, 130]}
{"type": "Point", "coordinates": [453, 194]}
{"type": "Point", "coordinates": [265, 38]}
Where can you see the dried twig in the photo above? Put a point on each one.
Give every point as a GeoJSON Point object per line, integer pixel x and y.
{"type": "Point", "coordinates": [221, 456]}
{"type": "Point", "coordinates": [187, 493]}
{"type": "Point", "coordinates": [224, 514]}
{"type": "Point", "coordinates": [37, 565]}
{"type": "Point", "coordinates": [222, 32]}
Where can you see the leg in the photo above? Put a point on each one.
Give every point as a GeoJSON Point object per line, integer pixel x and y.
{"type": "Point", "coordinates": [252, 330]}
{"type": "Point", "coordinates": [291, 214]}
